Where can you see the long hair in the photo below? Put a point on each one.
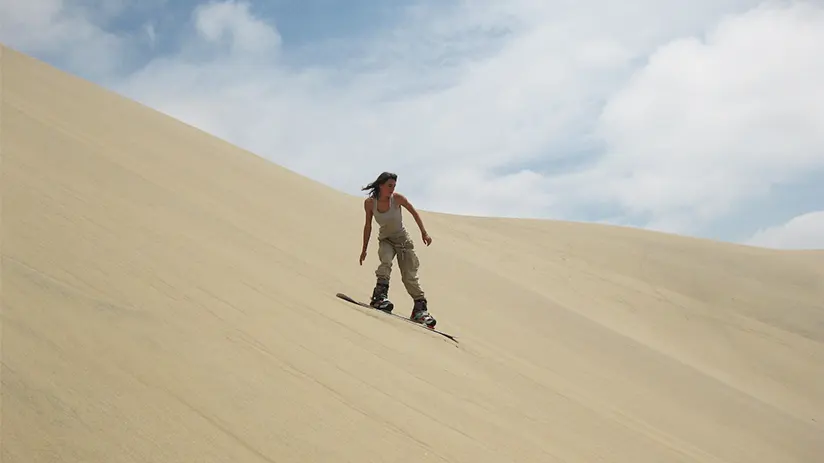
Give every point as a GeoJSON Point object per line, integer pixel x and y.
{"type": "Point", "coordinates": [374, 187]}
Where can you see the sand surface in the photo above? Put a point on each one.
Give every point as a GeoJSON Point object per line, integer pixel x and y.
{"type": "Point", "coordinates": [168, 297]}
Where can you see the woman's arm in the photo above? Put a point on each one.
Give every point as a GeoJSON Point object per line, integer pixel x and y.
{"type": "Point", "coordinates": [367, 227]}
{"type": "Point", "coordinates": [401, 200]}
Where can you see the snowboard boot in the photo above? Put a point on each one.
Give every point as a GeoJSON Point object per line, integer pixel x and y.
{"type": "Point", "coordinates": [380, 298]}
{"type": "Point", "coordinates": [421, 315]}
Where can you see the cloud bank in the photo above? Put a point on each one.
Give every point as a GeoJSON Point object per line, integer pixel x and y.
{"type": "Point", "coordinates": [802, 232]}
{"type": "Point", "coordinates": [680, 116]}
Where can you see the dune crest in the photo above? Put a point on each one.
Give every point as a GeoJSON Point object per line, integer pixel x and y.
{"type": "Point", "coordinates": [170, 297]}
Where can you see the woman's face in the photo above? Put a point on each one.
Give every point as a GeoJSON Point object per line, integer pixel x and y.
{"type": "Point", "coordinates": [387, 188]}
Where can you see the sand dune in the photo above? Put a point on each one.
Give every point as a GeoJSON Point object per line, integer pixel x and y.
{"type": "Point", "coordinates": [168, 297]}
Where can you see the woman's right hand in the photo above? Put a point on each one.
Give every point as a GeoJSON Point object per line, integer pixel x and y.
{"type": "Point", "coordinates": [362, 256]}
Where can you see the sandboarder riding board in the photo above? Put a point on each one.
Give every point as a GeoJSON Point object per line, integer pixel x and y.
{"type": "Point", "coordinates": [362, 304]}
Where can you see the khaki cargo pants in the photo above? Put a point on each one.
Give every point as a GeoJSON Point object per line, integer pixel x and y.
{"type": "Point", "coordinates": [399, 245]}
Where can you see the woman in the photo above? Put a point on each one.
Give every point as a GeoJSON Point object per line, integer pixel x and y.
{"type": "Point", "coordinates": [393, 240]}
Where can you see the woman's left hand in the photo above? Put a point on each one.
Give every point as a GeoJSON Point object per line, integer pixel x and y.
{"type": "Point", "coordinates": [427, 239]}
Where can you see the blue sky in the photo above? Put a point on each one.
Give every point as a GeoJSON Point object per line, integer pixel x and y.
{"type": "Point", "coordinates": [699, 117]}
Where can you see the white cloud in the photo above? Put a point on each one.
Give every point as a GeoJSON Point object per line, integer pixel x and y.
{"type": "Point", "coordinates": [708, 124]}
{"type": "Point", "coordinates": [803, 232]}
{"type": "Point", "coordinates": [671, 112]}
{"type": "Point", "coordinates": [56, 29]}
{"type": "Point", "coordinates": [151, 34]}
{"type": "Point", "coordinates": [231, 21]}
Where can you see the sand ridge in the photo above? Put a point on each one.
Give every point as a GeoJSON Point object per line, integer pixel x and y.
{"type": "Point", "coordinates": [165, 298]}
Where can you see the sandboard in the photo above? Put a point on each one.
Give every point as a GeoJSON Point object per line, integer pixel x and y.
{"type": "Point", "coordinates": [362, 304]}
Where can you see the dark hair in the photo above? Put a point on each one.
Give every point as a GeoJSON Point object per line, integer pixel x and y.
{"type": "Point", "coordinates": [374, 187]}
